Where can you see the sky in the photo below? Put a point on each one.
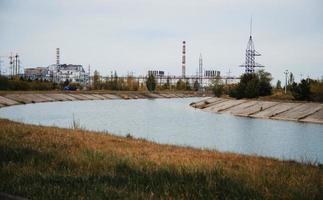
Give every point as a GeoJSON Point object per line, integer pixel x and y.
{"type": "Point", "coordinates": [139, 35]}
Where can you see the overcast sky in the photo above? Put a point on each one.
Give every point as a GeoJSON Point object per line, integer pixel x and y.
{"type": "Point", "coordinates": [137, 35]}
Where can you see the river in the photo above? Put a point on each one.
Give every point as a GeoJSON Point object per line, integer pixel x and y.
{"type": "Point", "coordinates": [173, 121]}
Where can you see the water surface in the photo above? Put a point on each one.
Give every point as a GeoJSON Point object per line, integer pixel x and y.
{"type": "Point", "coordinates": [173, 121]}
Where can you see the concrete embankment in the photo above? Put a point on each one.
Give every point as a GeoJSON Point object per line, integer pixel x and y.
{"type": "Point", "coordinates": [303, 112]}
{"type": "Point", "coordinates": [15, 98]}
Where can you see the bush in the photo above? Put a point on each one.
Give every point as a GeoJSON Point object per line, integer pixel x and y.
{"type": "Point", "coordinates": [180, 85]}
{"type": "Point", "coordinates": [4, 83]}
{"type": "Point", "coordinates": [217, 87]}
{"type": "Point", "coordinates": [22, 84]}
{"type": "Point", "coordinates": [151, 83]}
{"type": "Point", "coordinates": [316, 88]}
{"type": "Point", "coordinates": [252, 85]}
{"type": "Point", "coordinates": [302, 90]}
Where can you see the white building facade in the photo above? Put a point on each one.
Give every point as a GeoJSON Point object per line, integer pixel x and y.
{"type": "Point", "coordinates": [73, 73]}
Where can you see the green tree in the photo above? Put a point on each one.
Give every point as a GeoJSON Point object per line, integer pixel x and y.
{"type": "Point", "coordinates": [180, 85]}
{"type": "Point", "coordinates": [4, 83]}
{"type": "Point", "coordinates": [167, 84]}
{"type": "Point", "coordinates": [301, 91]}
{"type": "Point", "coordinates": [291, 79]}
{"type": "Point", "coordinates": [187, 85]}
{"type": "Point", "coordinates": [151, 83]}
{"type": "Point", "coordinates": [278, 85]}
{"type": "Point", "coordinates": [66, 82]}
{"type": "Point", "coordinates": [265, 87]}
{"type": "Point", "coordinates": [252, 85]}
{"type": "Point", "coordinates": [196, 85]}
{"type": "Point", "coordinates": [96, 80]}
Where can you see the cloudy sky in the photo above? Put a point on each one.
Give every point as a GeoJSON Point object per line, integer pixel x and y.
{"type": "Point", "coordinates": [137, 35]}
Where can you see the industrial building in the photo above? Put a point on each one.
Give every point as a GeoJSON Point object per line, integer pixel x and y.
{"type": "Point", "coordinates": [37, 73]}
{"type": "Point", "coordinates": [58, 73]}
{"type": "Point", "coordinates": [211, 73]}
{"type": "Point", "coordinates": [62, 72]}
{"type": "Point", "coordinates": [156, 73]}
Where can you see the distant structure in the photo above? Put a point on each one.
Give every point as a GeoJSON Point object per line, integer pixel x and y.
{"type": "Point", "coordinates": [156, 73]}
{"type": "Point", "coordinates": [200, 72]}
{"type": "Point", "coordinates": [37, 73]}
{"type": "Point", "coordinates": [57, 56]}
{"type": "Point", "coordinates": [14, 65]}
{"type": "Point", "coordinates": [59, 73]}
{"type": "Point", "coordinates": [184, 59]}
{"type": "Point", "coordinates": [251, 53]}
{"type": "Point", "coordinates": [73, 73]}
{"type": "Point", "coordinates": [211, 73]}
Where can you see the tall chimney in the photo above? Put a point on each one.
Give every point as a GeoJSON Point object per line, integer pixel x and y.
{"type": "Point", "coordinates": [184, 59]}
{"type": "Point", "coordinates": [57, 56]}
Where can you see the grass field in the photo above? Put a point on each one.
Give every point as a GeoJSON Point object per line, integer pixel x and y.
{"type": "Point", "coordinates": [53, 163]}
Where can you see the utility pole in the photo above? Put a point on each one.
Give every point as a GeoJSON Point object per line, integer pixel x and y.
{"type": "Point", "coordinates": [286, 74]}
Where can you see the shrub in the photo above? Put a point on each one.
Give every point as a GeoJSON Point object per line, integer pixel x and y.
{"type": "Point", "coordinates": [151, 83]}
{"type": "Point", "coordinates": [252, 85]}
{"type": "Point", "coordinates": [196, 85]}
{"type": "Point", "coordinates": [302, 90]}
{"type": "Point", "coordinates": [316, 88]}
{"type": "Point", "coordinates": [180, 85]}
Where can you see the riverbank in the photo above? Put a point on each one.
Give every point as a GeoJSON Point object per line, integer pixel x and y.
{"type": "Point", "coordinates": [52, 163]}
{"type": "Point", "coordinates": [280, 110]}
{"type": "Point", "coordinates": [9, 98]}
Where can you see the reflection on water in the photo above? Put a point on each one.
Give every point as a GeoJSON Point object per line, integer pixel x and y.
{"type": "Point", "coordinates": [173, 121]}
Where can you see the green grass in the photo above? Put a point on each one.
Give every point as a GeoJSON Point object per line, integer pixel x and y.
{"type": "Point", "coordinates": [51, 163]}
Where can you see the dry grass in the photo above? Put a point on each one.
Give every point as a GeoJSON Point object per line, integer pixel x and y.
{"type": "Point", "coordinates": [52, 163]}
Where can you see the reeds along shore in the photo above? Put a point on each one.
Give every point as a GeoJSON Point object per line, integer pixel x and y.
{"type": "Point", "coordinates": [53, 163]}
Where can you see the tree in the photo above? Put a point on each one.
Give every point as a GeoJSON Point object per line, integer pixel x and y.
{"type": "Point", "coordinates": [252, 85]}
{"type": "Point", "coordinates": [264, 83]}
{"type": "Point", "coordinates": [316, 90]}
{"type": "Point", "coordinates": [301, 91]}
{"type": "Point", "coordinates": [4, 83]}
{"type": "Point", "coordinates": [187, 85]}
{"type": "Point", "coordinates": [217, 88]}
{"type": "Point", "coordinates": [180, 85]}
{"type": "Point", "coordinates": [96, 80]}
{"type": "Point", "coordinates": [291, 79]}
{"type": "Point", "coordinates": [278, 85]}
{"type": "Point", "coordinates": [151, 82]}
{"type": "Point", "coordinates": [66, 82]}
{"type": "Point", "coordinates": [196, 85]}
{"type": "Point", "coordinates": [167, 84]}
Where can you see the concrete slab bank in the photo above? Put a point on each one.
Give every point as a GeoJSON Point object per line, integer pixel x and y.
{"type": "Point", "coordinates": [303, 112]}
{"type": "Point", "coordinates": [15, 98]}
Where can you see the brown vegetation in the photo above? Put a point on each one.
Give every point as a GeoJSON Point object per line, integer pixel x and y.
{"type": "Point", "coordinates": [52, 163]}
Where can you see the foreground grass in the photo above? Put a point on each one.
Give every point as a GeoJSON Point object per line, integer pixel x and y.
{"type": "Point", "coordinates": [53, 163]}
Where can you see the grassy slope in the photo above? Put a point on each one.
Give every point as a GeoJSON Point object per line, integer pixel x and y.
{"type": "Point", "coordinates": [53, 163]}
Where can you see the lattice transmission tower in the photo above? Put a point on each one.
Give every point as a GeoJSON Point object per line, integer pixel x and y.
{"type": "Point", "coordinates": [250, 63]}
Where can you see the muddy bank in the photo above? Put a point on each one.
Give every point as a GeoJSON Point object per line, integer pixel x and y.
{"type": "Point", "coordinates": [302, 112]}
{"type": "Point", "coordinates": [15, 98]}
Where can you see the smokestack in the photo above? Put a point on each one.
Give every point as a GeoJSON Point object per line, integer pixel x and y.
{"type": "Point", "coordinates": [184, 59]}
{"type": "Point", "coordinates": [57, 56]}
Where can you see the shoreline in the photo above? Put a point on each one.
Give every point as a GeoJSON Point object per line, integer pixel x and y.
{"type": "Point", "coordinates": [27, 97]}
{"type": "Point", "coordinates": [307, 112]}
{"type": "Point", "coordinates": [60, 163]}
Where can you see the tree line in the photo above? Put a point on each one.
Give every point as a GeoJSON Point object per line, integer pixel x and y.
{"type": "Point", "coordinates": [258, 84]}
